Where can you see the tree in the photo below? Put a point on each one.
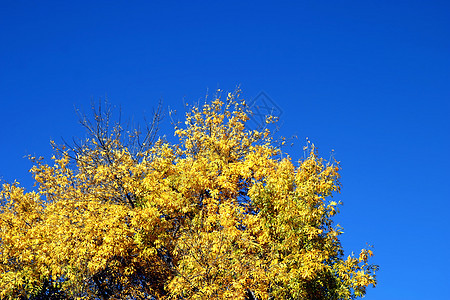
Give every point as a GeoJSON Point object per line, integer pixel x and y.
{"type": "Point", "coordinates": [218, 215]}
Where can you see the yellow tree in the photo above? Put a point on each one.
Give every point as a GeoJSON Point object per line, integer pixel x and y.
{"type": "Point", "coordinates": [217, 215]}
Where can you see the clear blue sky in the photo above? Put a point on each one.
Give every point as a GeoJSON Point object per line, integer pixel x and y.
{"type": "Point", "coordinates": [369, 79]}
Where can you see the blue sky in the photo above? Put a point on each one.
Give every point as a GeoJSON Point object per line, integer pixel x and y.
{"type": "Point", "coordinates": [369, 79]}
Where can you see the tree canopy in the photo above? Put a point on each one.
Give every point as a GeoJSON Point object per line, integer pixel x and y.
{"type": "Point", "coordinates": [221, 214]}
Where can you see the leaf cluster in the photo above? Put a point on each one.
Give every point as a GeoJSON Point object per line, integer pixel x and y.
{"type": "Point", "coordinates": [218, 215]}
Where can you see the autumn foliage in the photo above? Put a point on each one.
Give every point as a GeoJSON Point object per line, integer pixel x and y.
{"type": "Point", "coordinates": [218, 215]}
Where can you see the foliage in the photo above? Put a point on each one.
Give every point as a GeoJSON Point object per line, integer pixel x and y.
{"type": "Point", "coordinates": [219, 215]}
